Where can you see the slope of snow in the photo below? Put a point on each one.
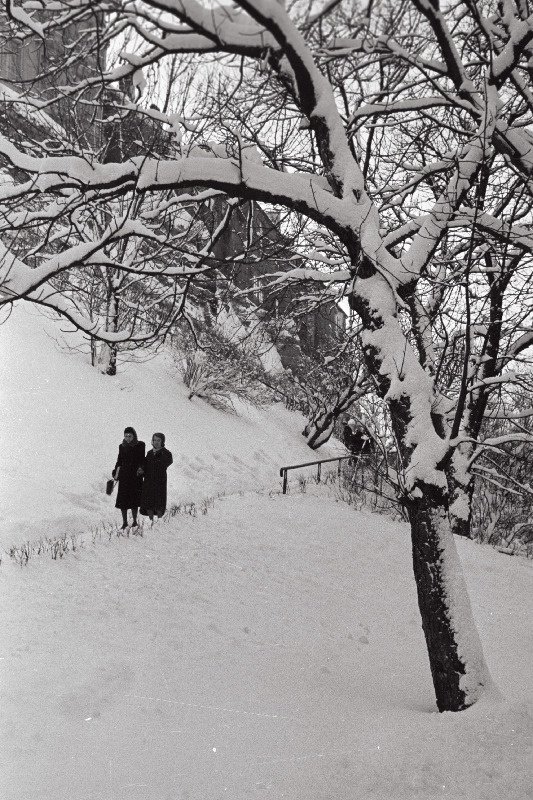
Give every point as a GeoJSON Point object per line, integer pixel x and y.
{"type": "Point", "coordinates": [269, 648]}
{"type": "Point", "coordinates": [62, 422]}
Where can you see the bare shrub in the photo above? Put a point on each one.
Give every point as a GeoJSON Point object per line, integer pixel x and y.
{"type": "Point", "coordinates": [220, 370]}
{"type": "Point", "coordinates": [502, 502]}
{"type": "Point", "coordinates": [365, 483]}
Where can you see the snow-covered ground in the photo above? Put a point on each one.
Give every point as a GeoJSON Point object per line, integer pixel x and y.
{"type": "Point", "coordinates": [62, 422]}
{"type": "Point", "coordinates": [269, 648]}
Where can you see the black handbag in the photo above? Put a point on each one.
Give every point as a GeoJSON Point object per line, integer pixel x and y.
{"type": "Point", "coordinates": [110, 485]}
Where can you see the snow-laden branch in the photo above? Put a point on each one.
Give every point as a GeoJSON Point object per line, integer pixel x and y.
{"type": "Point", "coordinates": [496, 442]}
{"type": "Point", "coordinates": [246, 179]}
{"type": "Point", "coordinates": [18, 280]}
{"type": "Point", "coordinates": [516, 145]}
{"type": "Point", "coordinates": [18, 13]}
{"type": "Point", "coordinates": [182, 201]}
{"type": "Point", "coordinates": [413, 104]}
{"type": "Point", "coordinates": [523, 343]}
{"type": "Point", "coordinates": [45, 294]}
{"type": "Point", "coordinates": [516, 235]}
{"type": "Point", "coordinates": [495, 382]}
{"type": "Point", "coordinates": [316, 99]}
{"type": "Point", "coordinates": [452, 59]}
{"type": "Point", "coordinates": [314, 275]}
{"type": "Point", "coordinates": [521, 34]}
{"type": "Point", "coordinates": [511, 415]}
{"type": "Point", "coordinates": [494, 478]}
{"type": "Point", "coordinates": [225, 26]}
{"type": "Point", "coordinates": [436, 223]}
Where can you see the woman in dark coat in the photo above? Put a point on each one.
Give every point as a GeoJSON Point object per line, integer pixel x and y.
{"type": "Point", "coordinates": [154, 492]}
{"type": "Point", "coordinates": [356, 439]}
{"type": "Point", "coordinates": [128, 472]}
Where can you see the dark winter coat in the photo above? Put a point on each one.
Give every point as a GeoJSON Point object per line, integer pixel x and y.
{"type": "Point", "coordinates": [130, 458]}
{"type": "Point", "coordinates": [358, 442]}
{"type": "Point", "coordinates": [154, 493]}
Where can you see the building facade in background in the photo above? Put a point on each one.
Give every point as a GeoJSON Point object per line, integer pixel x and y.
{"type": "Point", "coordinates": [252, 247]}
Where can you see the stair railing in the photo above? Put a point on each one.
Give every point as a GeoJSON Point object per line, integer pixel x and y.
{"type": "Point", "coordinates": [284, 470]}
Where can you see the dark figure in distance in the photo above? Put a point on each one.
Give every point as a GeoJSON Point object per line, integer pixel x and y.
{"type": "Point", "coordinates": [356, 439]}
{"type": "Point", "coordinates": [128, 473]}
{"type": "Point", "coordinates": [154, 492]}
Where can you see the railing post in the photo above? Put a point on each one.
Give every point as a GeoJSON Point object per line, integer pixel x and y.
{"type": "Point", "coordinates": [318, 473]}
{"type": "Point", "coordinates": [284, 481]}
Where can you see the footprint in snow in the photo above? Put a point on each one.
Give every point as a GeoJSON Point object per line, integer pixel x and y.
{"type": "Point", "coordinates": [364, 638]}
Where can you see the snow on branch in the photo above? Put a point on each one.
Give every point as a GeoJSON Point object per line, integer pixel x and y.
{"type": "Point", "coordinates": [517, 235]}
{"type": "Point", "coordinates": [521, 34]}
{"type": "Point", "coordinates": [225, 26]}
{"type": "Point", "coordinates": [316, 99]}
{"type": "Point", "coordinates": [511, 415]}
{"type": "Point", "coordinates": [315, 275]}
{"type": "Point", "coordinates": [45, 294]}
{"type": "Point", "coordinates": [524, 342]}
{"type": "Point", "coordinates": [496, 442]}
{"type": "Point", "coordinates": [17, 13]}
{"type": "Point", "coordinates": [436, 223]}
{"type": "Point", "coordinates": [245, 179]}
{"type": "Point", "coordinates": [495, 382]}
{"type": "Point", "coordinates": [454, 65]}
{"type": "Point", "coordinates": [397, 107]}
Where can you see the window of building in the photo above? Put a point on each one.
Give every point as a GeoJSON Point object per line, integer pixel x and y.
{"type": "Point", "coordinates": [259, 293]}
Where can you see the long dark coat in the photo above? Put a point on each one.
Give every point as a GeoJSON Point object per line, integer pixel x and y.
{"type": "Point", "coordinates": [154, 493]}
{"type": "Point", "coordinates": [357, 441]}
{"type": "Point", "coordinates": [130, 458]}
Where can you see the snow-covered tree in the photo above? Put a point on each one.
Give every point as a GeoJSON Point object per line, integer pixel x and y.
{"type": "Point", "coordinates": [401, 131]}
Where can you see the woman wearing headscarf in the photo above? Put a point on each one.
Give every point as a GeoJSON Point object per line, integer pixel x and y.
{"type": "Point", "coordinates": [154, 491]}
{"type": "Point", "coordinates": [128, 472]}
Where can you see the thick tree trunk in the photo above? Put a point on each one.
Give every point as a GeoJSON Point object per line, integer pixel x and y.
{"type": "Point", "coordinates": [459, 672]}
{"type": "Point", "coordinates": [461, 506]}
{"type": "Point", "coordinates": [460, 675]}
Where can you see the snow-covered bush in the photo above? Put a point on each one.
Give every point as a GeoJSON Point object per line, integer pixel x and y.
{"type": "Point", "coordinates": [220, 370]}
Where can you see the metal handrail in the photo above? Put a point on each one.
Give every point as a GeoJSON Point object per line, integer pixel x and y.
{"type": "Point", "coordinates": [283, 471]}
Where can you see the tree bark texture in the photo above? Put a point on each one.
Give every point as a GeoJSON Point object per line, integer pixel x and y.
{"type": "Point", "coordinates": [455, 654]}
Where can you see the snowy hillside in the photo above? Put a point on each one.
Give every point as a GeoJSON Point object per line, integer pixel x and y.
{"type": "Point", "coordinates": [62, 422]}
{"type": "Point", "coordinates": [270, 648]}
